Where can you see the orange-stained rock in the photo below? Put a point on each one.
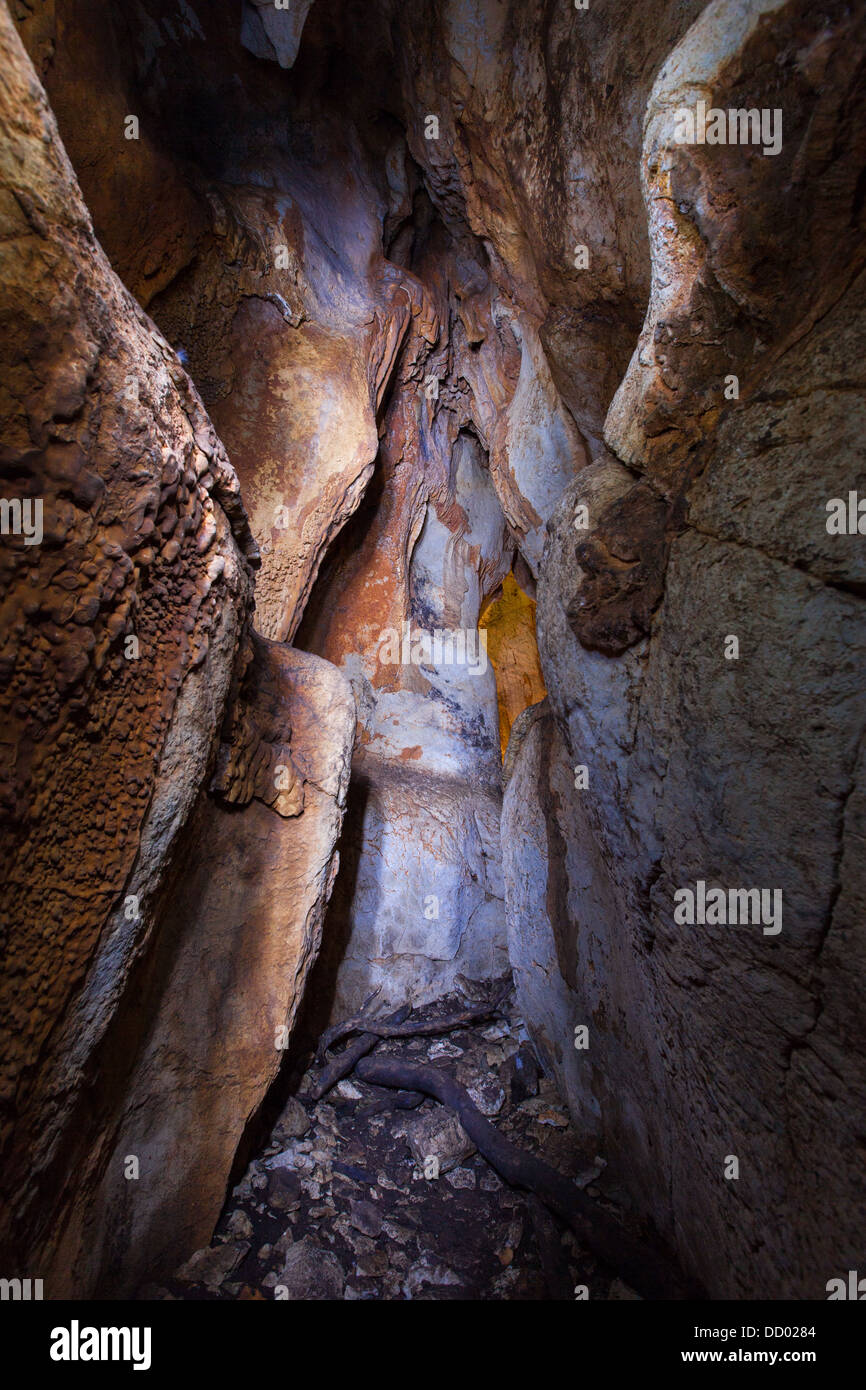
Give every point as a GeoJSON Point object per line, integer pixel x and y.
{"type": "Point", "coordinates": [214, 1005]}
{"type": "Point", "coordinates": [138, 902]}
{"type": "Point", "coordinates": [119, 635]}
{"type": "Point", "coordinates": [509, 622]}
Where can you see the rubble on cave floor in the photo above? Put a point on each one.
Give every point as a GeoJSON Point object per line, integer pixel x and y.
{"type": "Point", "coordinates": [338, 1205]}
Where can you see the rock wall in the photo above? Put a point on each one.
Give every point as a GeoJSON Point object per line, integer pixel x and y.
{"type": "Point", "coordinates": [141, 845]}
{"type": "Point", "coordinates": [459, 306]}
{"type": "Point", "coordinates": [710, 1041]}
{"type": "Point", "coordinates": [217, 1000]}
{"type": "Point", "coordinates": [420, 898]}
{"type": "Point", "coordinates": [477, 446]}
{"type": "Point", "coordinates": [699, 513]}
{"type": "Point", "coordinates": [121, 621]}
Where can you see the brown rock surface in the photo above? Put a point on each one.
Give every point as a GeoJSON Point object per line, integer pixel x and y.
{"type": "Point", "coordinates": [725, 1040]}
{"type": "Point", "coordinates": [217, 1001]}
{"type": "Point", "coordinates": [110, 748]}
{"type": "Point", "coordinates": [119, 635]}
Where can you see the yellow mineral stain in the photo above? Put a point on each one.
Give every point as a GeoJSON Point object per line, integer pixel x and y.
{"type": "Point", "coordinates": [509, 621]}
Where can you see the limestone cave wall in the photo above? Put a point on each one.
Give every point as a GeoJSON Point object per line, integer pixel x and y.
{"type": "Point", "coordinates": [334, 327]}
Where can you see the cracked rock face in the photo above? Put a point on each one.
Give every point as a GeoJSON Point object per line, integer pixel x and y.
{"type": "Point", "coordinates": [725, 1040]}
{"type": "Point", "coordinates": [422, 435]}
{"type": "Point", "coordinates": [126, 648]}
{"type": "Point", "coordinates": [119, 634]}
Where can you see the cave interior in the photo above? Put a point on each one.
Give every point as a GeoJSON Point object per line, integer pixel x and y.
{"type": "Point", "coordinates": [435, 625]}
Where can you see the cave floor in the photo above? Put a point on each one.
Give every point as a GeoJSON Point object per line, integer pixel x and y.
{"type": "Point", "coordinates": [337, 1205]}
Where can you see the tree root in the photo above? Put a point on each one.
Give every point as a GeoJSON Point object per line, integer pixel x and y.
{"type": "Point", "coordinates": [392, 1100]}
{"type": "Point", "coordinates": [345, 1061]}
{"type": "Point", "coordinates": [396, 1028]}
{"type": "Point", "coordinates": [647, 1272]}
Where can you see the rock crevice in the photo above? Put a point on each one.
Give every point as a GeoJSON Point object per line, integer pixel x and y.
{"type": "Point", "coordinates": [433, 457]}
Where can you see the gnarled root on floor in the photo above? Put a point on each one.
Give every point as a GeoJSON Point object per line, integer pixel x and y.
{"type": "Point", "coordinates": [647, 1272]}
{"type": "Point", "coordinates": [397, 1028]}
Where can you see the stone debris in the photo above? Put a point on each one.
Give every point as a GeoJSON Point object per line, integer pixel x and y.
{"type": "Point", "coordinates": [309, 1272]}
{"type": "Point", "coordinates": [284, 1190]}
{"type": "Point", "coordinates": [438, 1140]}
{"type": "Point", "coordinates": [340, 1208]}
{"type": "Point", "coordinates": [365, 1217]}
{"type": "Point", "coordinates": [443, 1048]}
{"type": "Point", "coordinates": [239, 1225]}
{"type": "Point", "coordinates": [294, 1122]}
{"type": "Point", "coordinates": [488, 1095]}
{"type": "Point", "coordinates": [461, 1178]}
{"type": "Point", "coordinates": [544, 1113]}
{"type": "Point", "coordinates": [213, 1264]}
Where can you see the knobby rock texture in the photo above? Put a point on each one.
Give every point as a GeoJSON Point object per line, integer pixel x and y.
{"type": "Point", "coordinates": [314, 363]}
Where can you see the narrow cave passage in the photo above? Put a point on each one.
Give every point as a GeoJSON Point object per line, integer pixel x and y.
{"type": "Point", "coordinates": [363, 1193]}
{"type": "Point", "coordinates": [431, 650]}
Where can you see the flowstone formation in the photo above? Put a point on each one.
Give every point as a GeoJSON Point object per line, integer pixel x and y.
{"type": "Point", "coordinates": [431, 555]}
